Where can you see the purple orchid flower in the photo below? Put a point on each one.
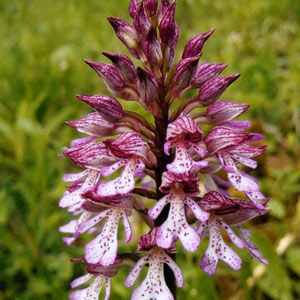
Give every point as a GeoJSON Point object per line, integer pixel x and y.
{"type": "Point", "coordinates": [128, 158]}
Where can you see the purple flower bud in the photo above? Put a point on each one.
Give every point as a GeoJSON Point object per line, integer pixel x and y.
{"type": "Point", "coordinates": [150, 7]}
{"type": "Point", "coordinates": [185, 72]}
{"type": "Point", "coordinates": [148, 89]}
{"type": "Point", "coordinates": [133, 7]}
{"type": "Point", "coordinates": [93, 124]}
{"type": "Point", "coordinates": [126, 33]}
{"type": "Point", "coordinates": [165, 4]}
{"type": "Point", "coordinates": [141, 21]}
{"type": "Point", "coordinates": [108, 73]}
{"type": "Point", "coordinates": [152, 48]}
{"type": "Point", "coordinates": [167, 26]}
{"type": "Point", "coordinates": [206, 72]}
{"type": "Point", "coordinates": [124, 65]}
{"type": "Point", "coordinates": [223, 111]}
{"type": "Point", "coordinates": [109, 108]}
{"type": "Point", "coordinates": [194, 46]}
{"type": "Point", "coordinates": [214, 88]}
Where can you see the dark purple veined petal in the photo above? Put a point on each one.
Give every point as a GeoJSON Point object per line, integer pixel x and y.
{"type": "Point", "coordinates": [127, 145]}
{"type": "Point", "coordinates": [223, 111]}
{"type": "Point", "coordinates": [222, 137]}
{"type": "Point", "coordinates": [109, 108]}
{"type": "Point", "coordinates": [205, 72]}
{"type": "Point", "coordinates": [185, 128]}
{"type": "Point", "coordinates": [94, 155]}
{"type": "Point", "coordinates": [214, 88]}
{"type": "Point", "coordinates": [194, 46]}
{"type": "Point", "coordinates": [189, 182]}
{"type": "Point", "coordinates": [106, 271]}
{"type": "Point", "coordinates": [165, 4]}
{"type": "Point", "coordinates": [93, 124]}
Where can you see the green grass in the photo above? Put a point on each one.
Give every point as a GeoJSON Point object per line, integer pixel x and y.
{"type": "Point", "coordinates": [42, 46]}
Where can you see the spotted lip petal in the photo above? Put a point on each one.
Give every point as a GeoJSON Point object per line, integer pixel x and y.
{"type": "Point", "coordinates": [154, 285]}
{"type": "Point", "coordinates": [103, 249]}
{"type": "Point", "coordinates": [108, 107]}
{"type": "Point", "coordinates": [176, 225]}
{"type": "Point", "coordinates": [125, 183]}
{"type": "Point", "coordinates": [217, 250]}
{"type": "Point", "coordinates": [93, 124]}
{"type": "Point", "coordinates": [93, 291]}
{"type": "Point", "coordinates": [214, 88]}
{"type": "Point", "coordinates": [194, 46]}
{"type": "Point", "coordinates": [183, 161]}
{"type": "Point", "coordinates": [205, 72]}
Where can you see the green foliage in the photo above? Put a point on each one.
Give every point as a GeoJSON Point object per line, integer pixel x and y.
{"type": "Point", "coordinates": [42, 43]}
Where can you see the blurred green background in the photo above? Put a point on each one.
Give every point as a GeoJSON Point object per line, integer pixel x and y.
{"type": "Point", "coordinates": [41, 70]}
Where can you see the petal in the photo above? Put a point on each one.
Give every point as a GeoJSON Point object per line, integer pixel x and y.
{"type": "Point", "coordinates": [176, 270]}
{"type": "Point", "coordinates": [245, 234]}
{"type": "Point", "coordinates": [234, 238]}
{"type": "Point", "coordinates": [184, 126]}
{"type": "Point", "coordinates": [216, 250]}
{"type": "Point", "coordinates": [136, 270]}
{"type": "Point", "coordinates": [81, 280]}
{"type": "Point", "coordinates": [127, 227]}
{"type": "Point", "coordinates": [200, 214]}
{"type": "Point", "coordinates": [90, 293]}
{"type": "Point", "coordinates": [106, 171]}
{"type": "Point", "coordinates": [93, 124]}
{"type": "Point", "coordinates": [183, 162]}
{"type": "Point", "coordinates": [157, 208]}
{"type": "Point", "coordinates": [243, 182]}
{"type": "Point", "coordinates": [75, 176]}
{"type": "Point", "coordinates": [69, 227]}
{"type": "Point", "coordinates": [127, 145]}
{"type": "Point", "coordinates": [107, 289]}
{"type": "Point", "coordinates": [245, 161]}
{"type": "Point", "coordinates": [124, 183]}
{"type": "Point", "coordinates": [104, 247]}
{"type": "Point", "coordinates": [84, 226]}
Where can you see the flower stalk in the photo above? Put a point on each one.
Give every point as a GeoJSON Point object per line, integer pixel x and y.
{"type": "Point", "coordinates": [162, 159]}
